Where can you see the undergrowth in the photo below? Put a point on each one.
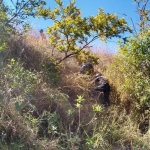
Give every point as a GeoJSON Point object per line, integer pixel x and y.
{"type": "Point", "coordinates": [44, 106]}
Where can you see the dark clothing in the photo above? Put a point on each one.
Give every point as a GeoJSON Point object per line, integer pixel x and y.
{"type": "Point", "coordinates": [100, 81]}
{"type": "Point", "coordinates": [87, 68]}
{"type": "Point", "coordinates": [106, 98]}
{"type": "Point", "coordinates": [105, 88]}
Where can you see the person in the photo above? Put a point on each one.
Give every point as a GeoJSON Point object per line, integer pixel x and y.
{"type": "Point", "coordinates": [87, 68]}
{"type": "Point", "coordinates": [102, 85]}
{"type": "Point", "coordinates": [42, 34]}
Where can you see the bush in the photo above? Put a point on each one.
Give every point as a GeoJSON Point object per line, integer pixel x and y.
{"type": "Point", "coordinates": [130, 74]}
{"type": "Point", "coordinates": [51, 72]}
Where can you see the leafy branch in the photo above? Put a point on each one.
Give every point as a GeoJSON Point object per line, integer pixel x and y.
{"type": "Point", "coordinates": [71, 33]}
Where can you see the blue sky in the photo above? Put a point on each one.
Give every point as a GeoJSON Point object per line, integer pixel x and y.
{"type": "Point", "coordinates": [90, 7]}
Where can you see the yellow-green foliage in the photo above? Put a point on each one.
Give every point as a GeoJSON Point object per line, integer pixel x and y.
{"type": "Point", "coordinates": [132, 64]}
{"type": "Point", "coordinates": [3, 18]}
{"type": "Point", "coordinates": [68, 116]}
{"type": "Point", "coordinates": [71, 33]}
{"type": "Point", "coordinates": [129, 73]}
{"type": "Point", "coordinates": [35, 115]}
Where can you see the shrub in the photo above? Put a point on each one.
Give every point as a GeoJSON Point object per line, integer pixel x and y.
{"type": "Point", "coordinates": [130, 74]}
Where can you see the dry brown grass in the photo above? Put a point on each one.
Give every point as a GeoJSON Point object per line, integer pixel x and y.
{"type": "Point", "coordinates": [32, 51]}
{"type": "Point", "coordinates": [105, 60]}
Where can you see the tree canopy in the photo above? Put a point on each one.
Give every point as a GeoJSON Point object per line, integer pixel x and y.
{"type": "Point", "coordinates": [71, 33]}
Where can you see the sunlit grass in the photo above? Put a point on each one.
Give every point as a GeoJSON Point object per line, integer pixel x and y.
{"type": "Point", "coordinates": [90, 126]}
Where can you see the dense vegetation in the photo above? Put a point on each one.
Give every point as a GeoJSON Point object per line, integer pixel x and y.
{"type": "Point", "coordinates": [45, 103]}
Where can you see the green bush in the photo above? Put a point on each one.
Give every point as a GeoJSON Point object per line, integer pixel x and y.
{"type": "Point", "coordinates": [131, 71]}
{"type": "Point", "coordinates": [134, 60]}
{"type": "Point", "coordinates": [51, 72]}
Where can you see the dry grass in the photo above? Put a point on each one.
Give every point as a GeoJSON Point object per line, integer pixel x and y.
{"type": "Point", "coordinates": [113, 125]}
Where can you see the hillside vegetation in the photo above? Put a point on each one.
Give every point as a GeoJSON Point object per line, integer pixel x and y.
{"type": "Point", "coordinates": [46, 104]}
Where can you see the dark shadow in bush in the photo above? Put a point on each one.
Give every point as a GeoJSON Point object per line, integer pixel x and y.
{"type": "Point", "coordinates": [51, 72]}
{"type": "Point", "coordinates": [33, 59]}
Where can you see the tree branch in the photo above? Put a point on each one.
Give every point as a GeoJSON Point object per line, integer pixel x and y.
{"type": "Point", "coordinates": [74, 53]}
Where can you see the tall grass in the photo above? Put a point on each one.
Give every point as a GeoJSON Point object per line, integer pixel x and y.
{"type": "Point", "coordinates": [50, 107]}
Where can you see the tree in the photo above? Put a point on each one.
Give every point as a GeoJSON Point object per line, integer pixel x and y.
{"type": "Point", "coordinates": [71, 34]}
{"type": "Point", "coordinates": [144, 12]}
{"type": "Point", "coordinates": [18, 13]}
{"type": "Point", "coordinates": [3, 17]}
{"type": "Point", "coordinates": [133, 65]}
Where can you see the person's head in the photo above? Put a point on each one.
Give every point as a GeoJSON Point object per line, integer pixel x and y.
{"type": "Point", "coordinates": [41, 31]}
{"type": "Point", "coordinates": [87, 68]}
